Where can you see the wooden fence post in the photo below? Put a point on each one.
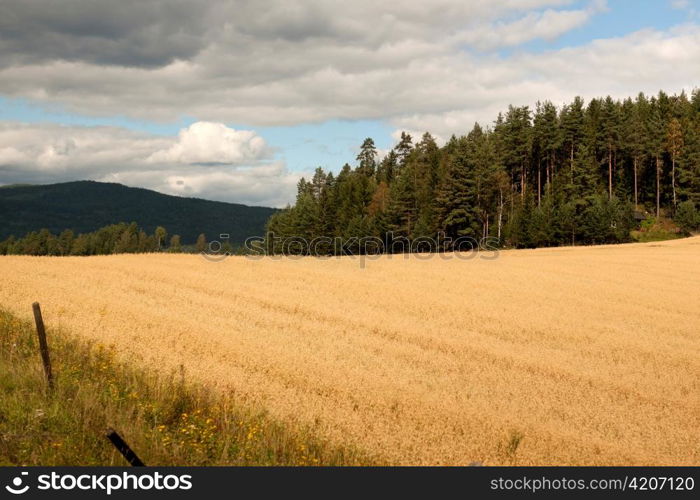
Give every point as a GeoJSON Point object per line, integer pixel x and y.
{"type": "Point", "coordinates": [43, 345]}
{"type": "Point", "coordinates": [124, 449]}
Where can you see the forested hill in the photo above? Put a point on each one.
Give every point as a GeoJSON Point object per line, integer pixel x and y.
{"type": "Point", "coordinates": [86, 206]}
{"type": "Point", "coordinates": [585, 172]}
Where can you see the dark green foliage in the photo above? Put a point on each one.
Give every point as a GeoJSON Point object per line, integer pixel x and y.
{"type": "Point", "coordinates": [687, 217]}
{"type": "Point", "coordinates": [689, 160]}
{"type": "Point", "coordinates": [86, 206]}
{"type": "Point", "coordinates": [573, 176]}
{"type": "Point", "coordinates": [388, 167]}
{"type": "Point", "coordinates": [113, 239]}
{"type": "Point", "coordinates": [367, 158]}
{"type": "Point", "coordinates": [606, 220]}
{"type": "Point", "coordinates": [456, 213]}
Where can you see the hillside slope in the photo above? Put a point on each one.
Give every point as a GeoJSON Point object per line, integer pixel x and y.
{"type": "Point", "coordinates": [85, 206]}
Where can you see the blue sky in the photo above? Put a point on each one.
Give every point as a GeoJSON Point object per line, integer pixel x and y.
{"type": "Point", "coordinates": [327, 144]}
{"type": "Point", "coordinates": [325, 127]}
{"type": "Point", "coordinates": [620, 18]}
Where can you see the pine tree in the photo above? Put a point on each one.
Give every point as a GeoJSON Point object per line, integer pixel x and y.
{"type": "Point", "coordinates": [403, 149]}
{"type": "Point", "coordinates": [424, 167]}
{"type": "Point", "coordinates": [482, 152]}
{"type": "Point", "coordinates": [674, 146]}
{"type": "Point", "coordinates": [367, 158]}
{"type": "Point", "coordinates": [610, 131]}
{"type": "Point", "coordinates": [387, 168]}
{"type": "Point", "coordinates": [634, 138]}
{"type": "Point", "coordinates": [689, 163]}
{"type": "Point", "coordinates": [402, 213]}
{"type": "Point", "coordinates": [455, 209]}
{"type": "Point", "coordinates": [572, 126]}
{"type": "Point", "coordinates": [306, 216]}
{"type": "Point", "coordinates": [655, 145]}
{"type": "Point", "coordinates": [547, 139]}
{"type": "Point", "coordinates": [517, 139]}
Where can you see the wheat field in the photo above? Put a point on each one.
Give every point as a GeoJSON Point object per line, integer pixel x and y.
{"type": "Point", "coordinates": [564, 356]}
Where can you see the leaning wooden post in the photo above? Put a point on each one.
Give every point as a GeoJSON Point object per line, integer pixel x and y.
{"type": "Point", "coordinates": [124, 448]}
{"type": "Point", "coordinates": [43, 345]}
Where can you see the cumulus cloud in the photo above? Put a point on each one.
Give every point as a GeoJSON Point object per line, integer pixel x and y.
{"type": "Point", "coordinates": [207, 160]}
{"type": "Point", "coordinates": [646, 61]}
{"type": "Point", "coordinates": [210, 143]}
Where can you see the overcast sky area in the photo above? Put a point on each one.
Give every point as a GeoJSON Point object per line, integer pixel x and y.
{"type": "Point", "coordinates": [236, 100]}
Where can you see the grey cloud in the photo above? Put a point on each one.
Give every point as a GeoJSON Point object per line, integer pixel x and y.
{"type": "Point", "coordinates": [156, 32]}
{"type": "Point", "coordinates": [124, 32]}
{"type": "Point", "coordinates": [285, 62]}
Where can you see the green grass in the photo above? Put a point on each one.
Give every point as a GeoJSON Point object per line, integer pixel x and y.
{"type": "Point", "coordinates": [653, 229]}
{"type": "Point", "coordinates": [166, 420]}
{"type": "Point", "coordinates": [654, 235]}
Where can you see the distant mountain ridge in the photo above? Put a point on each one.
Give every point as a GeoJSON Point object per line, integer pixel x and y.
{"type": "Point", "coordinates": [85, 206]}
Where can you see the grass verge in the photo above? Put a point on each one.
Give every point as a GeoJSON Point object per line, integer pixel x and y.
{"type": "Point", "coordinates": [166, 420]}
{"type": "Point", "coordinates": [653, 229]}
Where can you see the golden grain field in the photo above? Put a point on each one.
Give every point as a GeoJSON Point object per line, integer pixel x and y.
{"type": "Point", "coordinates": [550, 356]}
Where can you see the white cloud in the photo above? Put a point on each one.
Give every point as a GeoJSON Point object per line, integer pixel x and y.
{"type": "Point", "coordinates": [51, 149]}
{"type": "Point", "coordinates": [207, 160]}
{"type": "Point", "coordinates": [212, 143]}
{"type": "Point", "coordinates": [546, 25]}
{"type": "Point", "coordinates": [646, 61]}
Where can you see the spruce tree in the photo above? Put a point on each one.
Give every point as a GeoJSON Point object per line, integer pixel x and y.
{"type": "Point", "coordinates": [455, 209]}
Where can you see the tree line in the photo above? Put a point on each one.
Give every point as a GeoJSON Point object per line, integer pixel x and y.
{"type": "Point", "coordinates": [112, 239]}
{"type": "Point", "coordinates": [578, 174]}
